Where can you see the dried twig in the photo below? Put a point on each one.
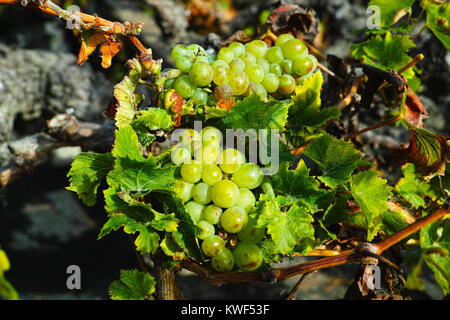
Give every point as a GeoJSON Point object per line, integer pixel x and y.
{"type": "Point", "coordinates": [63, 130]}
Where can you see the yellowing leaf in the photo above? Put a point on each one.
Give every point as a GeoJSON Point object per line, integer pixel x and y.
{"type": "Point", "coordinates": [109, 49]}
{"type": "Point", "coordinates": [89, 42]}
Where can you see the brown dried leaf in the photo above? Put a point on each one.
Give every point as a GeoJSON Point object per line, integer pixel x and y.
{"type": "Point", "coordinates": [301, 22]}
{"type": "Point", "coordinates": [109, 49]}
{"type": "Point", "coordinates": [89, 42]}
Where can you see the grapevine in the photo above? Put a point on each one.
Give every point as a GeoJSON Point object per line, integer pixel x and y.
{"type": "Point", "coordinates": [289, 180]}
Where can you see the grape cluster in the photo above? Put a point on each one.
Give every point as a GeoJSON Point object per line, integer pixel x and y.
{"type": "Point", "coordinates": [240, 69]}
{"type": "Point", "coordinates": [216, 186]}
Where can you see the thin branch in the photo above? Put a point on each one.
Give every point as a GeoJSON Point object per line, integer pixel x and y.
{"type": "Point", "coordinates": [409, 230]}
{"type": "Point", "coordinates": [375, 126]}
{"type": "Point", "coordinates": [296, 287]}
{"type": "Point", "coordinates": [63, 130]}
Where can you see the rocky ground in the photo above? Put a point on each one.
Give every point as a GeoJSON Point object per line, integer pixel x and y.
{"type": "Point", "coordinates": [45, 228]}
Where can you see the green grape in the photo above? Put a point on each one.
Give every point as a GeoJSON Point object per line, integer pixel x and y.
{"type": "Point", "coordinates": [275, 69]}
{"type": "Point", "coordinates": [196, 49]}
{"type": "Point", "coordinates": [201, 193]}
{"type": "Point", "coordinates": [178, 51]}
{"type": "Point", "coordinates": [249, 176]}
{"type": "Point", "coordinates": [184, 63]}
{"type": "Point", "coordinates": [257, 47]}
{"type": "Point", "coordinates": [224, 261]}
{"type": "Point", "coordinates": [201, 59]}
{"type": "Point", "coordinates": [200, 97]}
{"type": "Point", "coordinates": [208, 154]}
{"type": "Point", "coordinates": [190, 139]}
{"type": "Point", "coordinates": [230, 160]}
{"type": "Point", "coordinates": [251, 233]}
{"type": "Point", "coordinates": [182, 189]}
{"type": "Point", "coordinates": [211, 135]}
{"type": "Point", "coordinates": [237, 47]}
{"type": "Point", "coordinates": [293, 49]}
{"type": "Point", "coordinates": [201, 73]}
{"type": "Point", "coordinates": [206, 230]}
{"type": "Point", "coordinates": [264, 64]}
{"type": "Point", "coordinates": [211, 174]}
{"type": "Point", "coordinates": [212, 245]}
{"type": "Point", "coordinates": [191, 172]}
{"type": "Point", "coordinates": [219, 63]}
{"type": "Point", "coordinates": [247, 256]}
{"type": "Point", "coordinates": [212, 214]}
{"type": "Point", "coordinates": [195, 210]}
{"type": "Point", "coordinates": [274, 55]}
{"type": "Point", "coordinates": [287, 84]}
{"type": "Point", "coordinates": [225, 193]}
{"type": "Point", "coordinates": [248, 58]}
{"type": "Point", "coordinates": [237, 65]}
{"type": "Point", "coordinates": [221, 75]}
{"type": "Point", "coordinates": [180, 155]}
{"type": "Point", "coordinates": [233, 219]}
{"type": "Point", "coordinates": [283, 38]}
{"type": "Point", "coordinates": [225, 54]}
{"type": "Point", "coordinates": [257, 89]}
{"type": "Point", "coordinates": [286, 66]}
{"type": "Point", "coordinates": [223, 92]}
{"type": "Point", "coordinates": [168, 84]}
{"type": "Point", "coordinates": [270, 82]}
{"type": "Point", "coordinates": [238, 82]}
{"type": "Point", "coordinates": [184, 86]}
{"type": "Point", "coordinates": [305, 65]}
{"type": "Point", "coordinates": [255, 73]}
{"type": "Point", "coordinates": [247, 200]}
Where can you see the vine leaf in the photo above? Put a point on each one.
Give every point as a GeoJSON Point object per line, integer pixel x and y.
{"type": "Point", "coordinates": [148, 120]}
{"type": "Point", "coordinates": [437, 238]}
{"type": "Point", "coordinates": [305, 115]}
{"type": "Point", "coordinates": [438, 16]}
{"type": "Point", "coordinates": [336, 158]}
{"type": "Point", "coordinates": [372, 194]}
{"type": "Point", "coordinates": [410, 188]}
{"type": "Point", "coordinates": [391, 11]}
{"type": "Point", "coordinates": [132, 285]}
{"type": "Point", "coordinates": [297, 184]}
{"type": "Point", "coordinates": [286, 227]}
{"type": "Point", "coordinates": [7, 291]}
{"type": "Point", "coordinates": [429, 152]}
{"type": "Point", "coordinates": [126, 100]}
{"type": "Point", "coordinates": [86, 172]}
{"type": "Point", "coordinates": [253, 113]}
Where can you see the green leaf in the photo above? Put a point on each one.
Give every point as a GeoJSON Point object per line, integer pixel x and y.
{"type": "Point", "coordinates": [139, 178]}
{"type": "Point", "coordinates": [385, 52]}
{"type": "Point", "coordinates": [411, 188]}
{"type": "Point", "coordinates": [437, 237]}
{"type": "Point", "coordinates": [305, 110]}
{"type": "Point", "coordinates": [86, 173]}
{"type": "Point", "coordinates": [296, 184]}
{"type": "Point", "coordinates": [389, 9]}
{"type": "Point", "coordinates": [153, 119]}
{"type": "Point", "coordinates": [372, 194]}
{"type": "Point", "coordinates": [126, 144]}
{"type": "Point", "coordinates": [336, 158]}
{"type": "Point", "coordinates": [132, 285]}
{"type": "Point", "coordinates": [253, 113]}
{"type": "Point", "coordinates": [7, 291]}
{"type": "Point", "coordinates": [286, 228]}
{"type": "Point", "coordinates": [171, 249]}
{"type": "Point", "coordinates": [438, 18]}
{"type": "Point", "coordinates": [127, 100]}
{"type": "Point", "coordinates": [186, 234]}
